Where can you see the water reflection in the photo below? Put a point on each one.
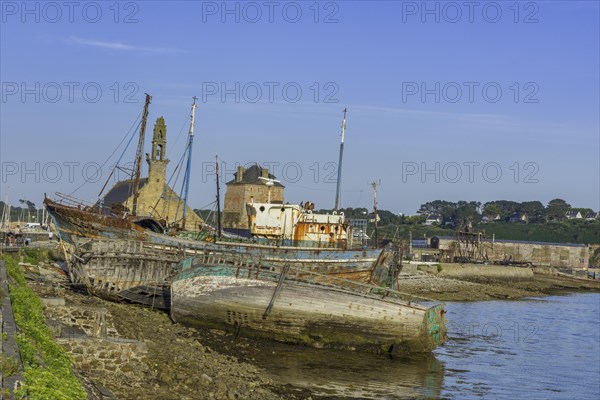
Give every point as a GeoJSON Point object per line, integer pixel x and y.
{"type": "Point", "coordinates": [335, 373]}
{"type": "Point", "coordinates": [534, 348]}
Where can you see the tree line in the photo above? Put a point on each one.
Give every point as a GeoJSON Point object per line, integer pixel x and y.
{"type": "Point", "coordinates": [501, 210]}
{"type": "Point", "coordinates": [462, 211]}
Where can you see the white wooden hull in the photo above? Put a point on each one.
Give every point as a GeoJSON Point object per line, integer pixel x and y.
{"type": "Point", "coordinates": [236, 299]}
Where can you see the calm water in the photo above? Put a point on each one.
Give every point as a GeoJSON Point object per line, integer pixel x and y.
{"type": "Point", "coordinates": [544, 348]}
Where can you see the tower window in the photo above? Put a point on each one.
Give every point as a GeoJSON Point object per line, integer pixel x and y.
{"type": "Point", "coordinates": [159, 150]}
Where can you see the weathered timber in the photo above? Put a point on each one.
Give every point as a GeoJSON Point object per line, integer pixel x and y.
{"type": "Point", "coordinates": [230, 296]}
{"type": "Point", "coordinates": [76, 223]}
{"type": "Point", "coordinates": [124, 270]}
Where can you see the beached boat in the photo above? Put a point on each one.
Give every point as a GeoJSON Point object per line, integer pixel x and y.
{"type": "Point", "coordinates": [282, 235]}
{"type": "Point", "coordinates": [115, 268]}
{"type": "Point", "coordinates": [124, 270]}
{"type": "Point", "coordinates": [294, 305]}
{"type": "Point", "coordinates": [103, 249]}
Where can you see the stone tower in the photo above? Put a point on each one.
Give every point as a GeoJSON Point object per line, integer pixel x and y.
{"type": "Point", "coordinates": [157, 162]}
{"type": "Point", "coordinates": [248, 185]}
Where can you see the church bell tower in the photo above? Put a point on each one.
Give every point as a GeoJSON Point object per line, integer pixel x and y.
{"type": "Point", "coordinates": [157, 162]}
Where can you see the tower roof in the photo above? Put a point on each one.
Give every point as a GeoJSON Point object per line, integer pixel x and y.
{"type": "Point", "coordinates": [122, 190]}
{"type": "Point", "coordinates": [251, 176]}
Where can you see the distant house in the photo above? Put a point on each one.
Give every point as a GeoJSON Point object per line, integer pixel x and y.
{"type": "Point", "coordinates": [359, 229]}
{"type": "Point", "coordinates": [573, 215]}
{"type": "Point", "coordinates": [518, 217]}
{"type": "Point", "coordinates": [490, 218]}
{"type": "Point", "coordinates": [433, 219]}
{"type": "Point", "coordinates": [592, 216]}
{"type": "Point", "coordinates": [372, 217]}
{"type": "Point", "coordinates": [421, 243]}
{"type": "Point", "coordinates": [448, 223]}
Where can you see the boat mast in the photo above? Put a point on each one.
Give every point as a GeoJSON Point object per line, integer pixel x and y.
{"type": "Point", "coordinates": [189, 163]}
{"type": "Point", "coordinates": [218, 199]}
{"type": "Point", "coordinates": [5, 223]}
{"type": "Point", "coordinates": [138, 156]}
{"type": "Point", "coordinates": [374, 185]}
{"type": "Point", "coordinates": [339, 176]}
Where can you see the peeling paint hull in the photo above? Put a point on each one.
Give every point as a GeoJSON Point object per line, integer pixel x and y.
{"type": "Point", "coordinates": [120, 270]}
{"type": "Point", "coordinates": [73, 223]}
{"type": "Point", "coordinates": [236, 298]}
{"type": "Point", "coordinates": [106, 242]}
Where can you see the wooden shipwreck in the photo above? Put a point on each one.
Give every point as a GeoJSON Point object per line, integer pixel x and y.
{"type": "Point", "coordinates": [125, 270]}
{"type": "Point", "coordinates": [294, 305]}
{"type": "Point", "coordinates": [141, 271]}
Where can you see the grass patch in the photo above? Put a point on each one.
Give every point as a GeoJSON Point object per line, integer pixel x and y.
{"type": "Point", "coordinates": [48, 368]}
{"type": "Point", "coordinates": [30, 256]}
{"type": "Point", "coordinates": [35, 256]}
{"type": "Point", "coordinates": [8, 365]}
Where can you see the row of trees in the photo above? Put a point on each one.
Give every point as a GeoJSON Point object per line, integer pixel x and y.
{"type": "Point", "coordinates": [472, 211]}
{"type": "Point", "coordinates": [533, 211]}
{"type": "Point", "coordinates": [450, 211]}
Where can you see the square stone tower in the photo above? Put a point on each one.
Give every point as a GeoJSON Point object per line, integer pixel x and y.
{"type": "Point", "coordinates": [247, 185]}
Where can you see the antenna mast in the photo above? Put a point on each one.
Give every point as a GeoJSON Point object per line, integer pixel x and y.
{"type": "Point", "coordinates": [189, 162]}
{"type": "Point", "coordinates": [269, 183]}
{"type": "Point", "coordinates": [339, 176]}
{"type": "Point", "coordinates": [138, 156]}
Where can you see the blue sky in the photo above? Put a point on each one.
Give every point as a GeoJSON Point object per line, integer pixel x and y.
{"type": "Point", "coordinates": [422, 92]}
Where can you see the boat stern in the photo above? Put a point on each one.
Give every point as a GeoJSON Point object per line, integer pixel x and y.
{"type": "Point", "coordinates": [435, 325]}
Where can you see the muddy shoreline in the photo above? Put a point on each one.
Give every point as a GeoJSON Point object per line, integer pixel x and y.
{"type": "Point", "coordinates": [185, 363]}
{"type": "Point", "coordinates": [447, 289]}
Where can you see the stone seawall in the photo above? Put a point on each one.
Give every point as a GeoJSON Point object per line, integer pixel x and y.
{"type": "Point", "coordinates": [486, 272]}
{"type": "Point", "coordinates": [106, 355]}
{"type": "Point", "coordinates": [558, 255]}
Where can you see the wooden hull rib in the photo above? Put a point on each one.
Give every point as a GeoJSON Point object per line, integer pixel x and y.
{"type": "Point", "coordinates": [125, 270]}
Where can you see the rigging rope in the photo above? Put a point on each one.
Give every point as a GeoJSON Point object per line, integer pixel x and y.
{"type": "Point", "coordinates": [114, 151]}
{"type": "Point", "coordinates": [172, 147]}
